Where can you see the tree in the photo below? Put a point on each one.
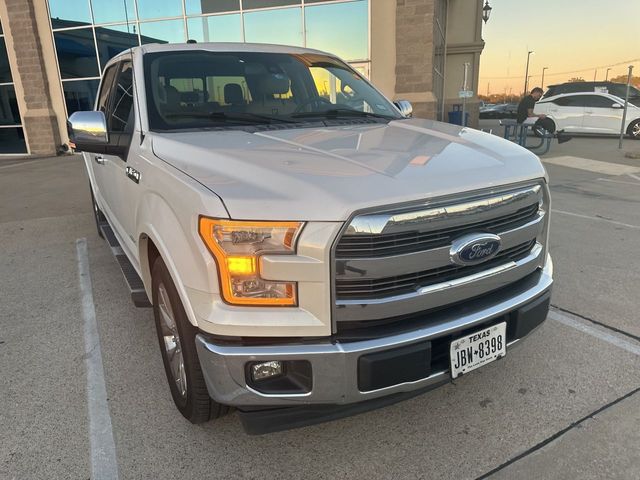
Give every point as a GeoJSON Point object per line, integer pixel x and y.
{"type": "Point", "coordinates": [575, 80]}
{"type": "Point", "coordinates": [635, 81]}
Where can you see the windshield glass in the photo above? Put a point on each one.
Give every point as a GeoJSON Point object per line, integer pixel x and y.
{"type": "Point", "coordinates": [200, 89]}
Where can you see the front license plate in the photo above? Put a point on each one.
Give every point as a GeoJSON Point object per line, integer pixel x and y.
{"type": "Point", "coordinates": [477, 349]}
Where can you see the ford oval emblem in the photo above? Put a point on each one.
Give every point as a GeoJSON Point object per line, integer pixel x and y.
{"type": "Point", "coordinates": [474, 248]}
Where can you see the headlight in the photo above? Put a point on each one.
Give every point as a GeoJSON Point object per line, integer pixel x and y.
{"type": "Point", "coordinates": [237, 246]}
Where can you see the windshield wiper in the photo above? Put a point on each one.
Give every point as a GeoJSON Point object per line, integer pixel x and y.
{"type": "Point", "coordinates": [250, 118]}
{"type": "Point", "coordinates": [342, 112]}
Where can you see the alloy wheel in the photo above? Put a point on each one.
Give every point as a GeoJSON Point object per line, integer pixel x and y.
{"type": "Point", "coordinates": [171, 338]}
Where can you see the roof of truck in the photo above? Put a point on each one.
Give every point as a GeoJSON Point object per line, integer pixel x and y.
{"type": "Point", "coordinates": [218, 47]}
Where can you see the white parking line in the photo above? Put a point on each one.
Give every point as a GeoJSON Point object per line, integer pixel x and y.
{"type": "Point", "coordinates": [607, 168]}
{"type": "Point", "coordinates": [103, 448]}
{"type": "Point", "coordinates": [634, 176]}
{"type": "Point", "coordinates": [599, 219]}
{"type": "Point", "coordinates": [618, 181]}
{"type": "Point", "coordinates": [589, 329]}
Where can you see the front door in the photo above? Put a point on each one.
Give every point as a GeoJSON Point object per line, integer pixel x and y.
{"type": "Point", "coordinates": [122, 187]}
{"type": "Point", "coordinates": [600, 116]}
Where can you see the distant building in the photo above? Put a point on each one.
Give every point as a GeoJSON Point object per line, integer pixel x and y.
{"type": "Point", "coordinates": [52, 52]}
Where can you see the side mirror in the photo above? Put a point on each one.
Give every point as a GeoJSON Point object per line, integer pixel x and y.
{"type": "Point", "coordinates": [405, 108]}
{"type": "Point", "coordinates": [616, 106]}
{"type": "Point", "coordinates": [88, 130]}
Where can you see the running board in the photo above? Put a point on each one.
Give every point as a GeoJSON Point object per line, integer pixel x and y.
{"type": "Point", "coordinates": [134, 282]}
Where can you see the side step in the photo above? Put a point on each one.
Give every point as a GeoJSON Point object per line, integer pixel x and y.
{"type": "Point", "coordinates": [136, 287]}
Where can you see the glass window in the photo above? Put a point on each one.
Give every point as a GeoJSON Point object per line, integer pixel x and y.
{"type": "Point", "coordinates": [251, 4]}
{"type": "Point", "coordinates": [69, 13]}
{"type": "Point", "coordinates": [166, 31]}
{"type": "Point", "coordinates": [198, 89]}
{"type": "Point", "coordinates": [596, 101]}
{"type": "Point", "coordinates": [148, 9]}
{"type": "Point", "coordinates": [1, 28]}
{"type": "Point", "coordinates": [218, 28]}
{"type": "Point", "coordinates": [197, 7]}
{"type": "Point", "coordinates": [12, 140]}
{"type": "Point", "coordinates": [5, 70]}
{"type": "Point", "coordinates": [122, 104]}
{"type": "Point", "coordinates": [110, 11]}
{"type": "Point", "coordinates": [76, 53]}
{"type": "Point", "coordinates": [80, 95]}
{"type": "Point", "coordinates": [571, 101]}
{"type": "Point", "coordinates": [9, 113]}
{"type": "Point", "coordinates": [115, 39]}
{"type": "Point", "coordinates": [342, 29]}
{"type": "Point", "coordinates": [274, 26]}
{"type": "Point", "coordinates": [105, 88]}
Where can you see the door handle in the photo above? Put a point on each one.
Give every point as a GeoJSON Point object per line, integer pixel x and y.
{"type": "Point", "coordinates": [100, 160]}
{"type": "Point", "coordinates": [588, 111]}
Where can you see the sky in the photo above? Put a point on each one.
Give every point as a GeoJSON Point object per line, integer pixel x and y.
{"type": "Point", "coordinates": [573, 38]}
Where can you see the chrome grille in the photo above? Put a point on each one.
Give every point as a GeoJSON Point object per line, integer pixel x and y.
{"type": "Point", "coordinates": [370, 246]}
{"type": "Point", "coordinates": [398, 285]}
{"type": "Point", "coordinates": [395, 262]}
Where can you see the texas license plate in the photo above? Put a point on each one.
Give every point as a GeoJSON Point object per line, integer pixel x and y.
{"type": "Point", "coordinates": [477, 349]}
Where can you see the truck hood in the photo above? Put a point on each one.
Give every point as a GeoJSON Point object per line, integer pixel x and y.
{"type": "Point", "coordinates": [326, 173]}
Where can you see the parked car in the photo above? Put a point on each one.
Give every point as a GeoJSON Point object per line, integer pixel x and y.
{"type": "Point", "coordinates": [590, 113]}
{"type": "Point", "coordinates": [612, 88]}
{"type": "Point", "coordinates": [304, 245]}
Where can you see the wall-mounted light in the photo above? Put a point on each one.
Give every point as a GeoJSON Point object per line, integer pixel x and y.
{"type": "Point", "coordinates": [486, 11]}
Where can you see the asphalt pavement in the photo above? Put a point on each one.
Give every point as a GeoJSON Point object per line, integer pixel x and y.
{"type": "Point", "coordinates": [564, 404]}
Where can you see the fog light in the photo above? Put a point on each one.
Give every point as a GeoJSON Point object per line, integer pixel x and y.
{"type": "Point", "coordinates": [260, 371]}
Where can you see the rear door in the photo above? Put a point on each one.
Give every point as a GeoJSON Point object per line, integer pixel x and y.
{"type": "Point", "coordinates": [568, 112]}
{"type": "Point", "coordinates": [600, 116]}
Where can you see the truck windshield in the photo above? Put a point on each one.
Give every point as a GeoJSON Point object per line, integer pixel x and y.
{"type": "Point", "coordinates": [201, 89]}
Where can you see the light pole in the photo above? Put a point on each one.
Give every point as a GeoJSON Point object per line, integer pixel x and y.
{"type": "Point", "coordinates": [526, 75]}
{"type": "Point", "coordinates": [606, 77]}
{"type": "Point", "coordinates": [545, 68]}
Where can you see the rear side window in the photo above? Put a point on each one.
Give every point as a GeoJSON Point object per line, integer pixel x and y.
{"type": "Point", "coordinates": [121, 114]}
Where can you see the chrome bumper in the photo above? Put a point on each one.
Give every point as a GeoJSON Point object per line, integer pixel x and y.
{"type": "Point", "coordinates": [335, 365]}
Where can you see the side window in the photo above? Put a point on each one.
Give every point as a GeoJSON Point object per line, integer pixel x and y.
{"type": "Point", "coordinates": [597, 101]}
{"type": "Point", "coordinates": [105, 88]}
{"type": "Point", "coordinates": [571, 101]}
{"type": "Point", "coordinates": [121, 112]}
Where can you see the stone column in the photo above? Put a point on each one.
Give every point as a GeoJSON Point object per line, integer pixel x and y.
{"type": "Point", "coordinates": [414, 55]}
{"type": "Point", "coordinates": [26, 55]}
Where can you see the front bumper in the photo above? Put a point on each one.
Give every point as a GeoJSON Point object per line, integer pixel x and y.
{"type": "Point", "coordinates": [335, 364]}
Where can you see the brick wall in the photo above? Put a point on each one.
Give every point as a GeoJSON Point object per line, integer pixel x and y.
{"type": "Point", "coordinates": [39, 119]}
{"type": "Point", "coordinates": [414, 55]}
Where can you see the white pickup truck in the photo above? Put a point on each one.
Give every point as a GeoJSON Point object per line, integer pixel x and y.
{"type": "Point", "coordinates": [310, 251]}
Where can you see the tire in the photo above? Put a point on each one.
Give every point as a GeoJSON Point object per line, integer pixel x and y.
{"type": "Point", "coordinates": [97, 213]}
{"type": "Point", "coordinates": [541, 132]}
{"type": "Point", "coordinates": [634, 129]}
{"type": "Point", "coordinates": [176, 335]}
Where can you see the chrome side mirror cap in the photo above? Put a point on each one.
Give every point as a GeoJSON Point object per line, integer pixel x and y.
{"type": "Point", "coordinates": [88, 128]}
{"type": "Point", "coordinates": [405, 107]}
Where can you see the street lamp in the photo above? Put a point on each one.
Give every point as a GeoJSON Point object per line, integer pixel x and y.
{"type": "Point", "coordinates": [526, 75]}
{"type": "Point", "coordinates": [545, 68]}
{"type": "Point", "coordinates": [606, 77]}
{"type": "Point", "coordinates": [486, 11]}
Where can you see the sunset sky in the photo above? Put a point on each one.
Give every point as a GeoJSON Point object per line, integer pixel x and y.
{"type": "Point", "coordinates": [571, 37]}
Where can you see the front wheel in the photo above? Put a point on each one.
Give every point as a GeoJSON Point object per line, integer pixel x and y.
{"type": "Point", "coordinates": [634, 129]}
{"type": "Point", "coordinates": [177, 336]}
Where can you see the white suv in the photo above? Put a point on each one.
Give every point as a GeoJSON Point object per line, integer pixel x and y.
{"type": "Point", "coordinates": [590, 112]}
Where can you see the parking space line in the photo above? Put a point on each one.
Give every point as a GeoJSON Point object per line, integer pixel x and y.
{"type": "Point", "coordinates": [596, 166]}
{"type": "Point", "coordinates": [600, 219]}
{"type": "Point", "coordinates": [610, 180]}
{"type": "Point", "coordinates": [634, 176]}
{"type": "Point", "coordinates": [103, 448]}
{"type": "Point", "coordinates": [582, 326]}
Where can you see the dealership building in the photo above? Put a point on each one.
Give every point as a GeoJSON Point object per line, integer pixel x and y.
{"type": "Point", "coordinates": [52, 52]}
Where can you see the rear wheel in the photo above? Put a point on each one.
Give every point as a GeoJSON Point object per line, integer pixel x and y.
{"type": "Point", "coordinates": [177, 336]}
{"type": "Point", "coordinates": [634, 129]}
